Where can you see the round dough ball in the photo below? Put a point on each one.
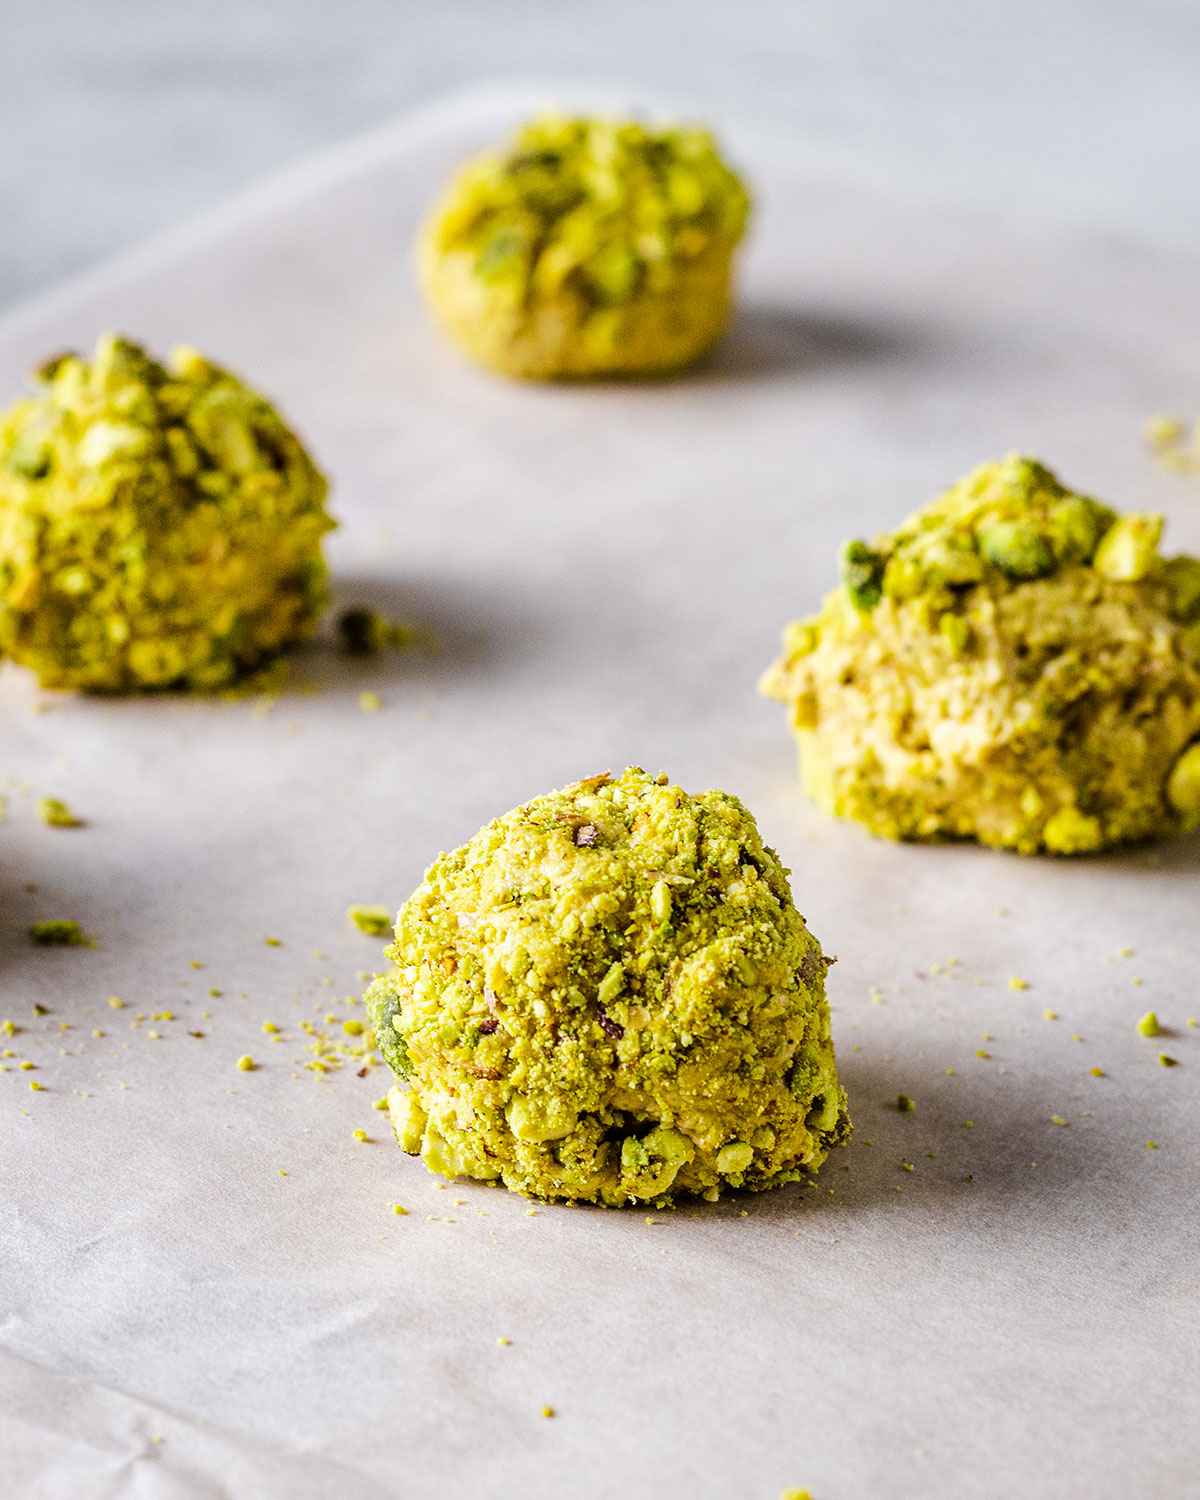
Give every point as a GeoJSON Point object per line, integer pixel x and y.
{"type": "Point", "coordinates": [1016, 664]}
{"type": "Point", "coordinates": [159, 526]}
{"type": "Point", "coordinates": [587, 247]}
{"type": "Point", "coordinates": [608, 995]}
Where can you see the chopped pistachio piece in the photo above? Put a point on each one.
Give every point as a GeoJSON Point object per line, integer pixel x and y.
{"type": "Point", "coordinates": [1148, 1025]}
{"type": "Point", "coordinates": [56, 814]}
{"type": "Point", "coordinates": [1129, 549]}
{"type": "Point", "coordinates": [566, 1028]}
{"type": "Point", "coordinates": [374, 921]}
{"type": "Point", "coordinates": [59, 933]}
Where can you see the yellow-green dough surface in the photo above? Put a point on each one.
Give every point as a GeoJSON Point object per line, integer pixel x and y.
{"type": "Point", "coordinates": [160, 525]}
{"type": "Point", "coordinates": [586, 247]}
{"type": "Point", "coordinates": [608, 995]}
{"type": "Point", "coordinates": [1016, 664]}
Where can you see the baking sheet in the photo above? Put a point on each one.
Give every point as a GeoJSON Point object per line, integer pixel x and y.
{"type": "Point", "coordinates": [606, 570]}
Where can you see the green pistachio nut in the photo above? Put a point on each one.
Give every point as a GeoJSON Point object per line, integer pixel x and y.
{"type": "Point", "coordinates": [862, 574]}
{"type": "Point", "coordinates": [1129, 549]}
{"type": "Point", "coordinates": [1182, 577]}
{"type": "Point", "coordinates": [1017, 548]}
{"type": "Point", "coordinates": [1183, 786]}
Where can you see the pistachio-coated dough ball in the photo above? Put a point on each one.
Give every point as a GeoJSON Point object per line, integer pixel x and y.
{"type": "Point", "coordinates": [160, 526]}
{"type": "Point", "coordinates": [587, 247]}
{"type": "Point", "coordinates": [1017, 664]}
{"type": "Point", "coordinates": [609, 995]}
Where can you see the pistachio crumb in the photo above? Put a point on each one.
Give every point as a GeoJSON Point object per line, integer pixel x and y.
{"type": "Point", "coordinates": [1151, 1145]}
{"type": "Point", "coordinates": [246, 1064]}
{"type": "Point", "coordinates": [56, 814]}
{"type": "Point", "coordinates": [503, 1342]}
{"type": "Point", "coordinates": [904, 1104]}
{"type": "Point", "coordinates": [1148, 1025]}
{"type": "Point", "coordinates": [1167, 1061]}
{"type": "Point", "coordinates": [548, 1411]}
{"type": "Point", "coordinates": [399, 1209]}
{"type": "Point", "coordinates": [116, 1002]}
{"type": "Point", "coordinates": [373, 921]}
{"type": "Point", "coordinates": [369, 702]}
{"type": "Point", "coordinates": [1049, 1015]}
{"type": "Point", "coordinates": [1096, 1072]}
{"type": "Point", "coordinates": [59, 933]}
{"type": "Point", "coordinates": [1059, 1120]}
{"type": "Point", "coordinates": [1017, 983]}
{"type": "Point", "coordinates": [361, 1135]}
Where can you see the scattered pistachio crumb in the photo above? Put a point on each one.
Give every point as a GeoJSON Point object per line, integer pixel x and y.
{"type": "Point", "coordinates": [907, 1166]}
{"type": "Point", "coordinates": [1151, 1145]}
{"type": "Point", "coordinates": [1167, 1061]}
{"type": "Point", "coordinates": [273, 942]}
{"type": "Point", "coordinates": [374, 921]}
{"type": "Point", "coordinates": [270, 1028]}
{"type": "Point", "coordinates": [215, 993]}
{"type": "Point", "coordinates": [361, 1135]}
{"type": "Point", "coordinates": [369, 702]}
{"type": "Point", "coordinates": [37, 1087]}
{"type": "Point", "coordinates": [1148, 1025]}
{"type": "Point", "coordinates": [1096, 1072]}
{"type": "Point", "coordinates": [1059, 1120]}
{"type": "Point", "coordinates": [56, 814]}
{"type": "Point", "coordinates": [1017, 983]}
{"type": "Point", "coordinates": [353, 1027]}
{"type": "Point", "coordinates": [982, 1052]}
{"type": "Point", "coordinates": [59, 933]}
{"type": "Point", "coordinates": [196, 963]}
{"type": "Point", "coordinates": [904, 1104]}
{"type": "Point", "coordinates": [1049, 1015]}
{"type": "Point", "coordinates": [548, 1411]}
{"type": "Point", "coordinates": [1124, 952]}
{"type": "Point", "coordinates": [26, 1066]}
{"type": "Point", "coordinates": [246, 1064]}
{"type": "Point", "coordinates": [116, 1002]}
{"type": "Point", "coordinates": [504, 1342]}
{"type": "Point", "coordinates": [950, 1072]}
{"type": "Point", "coordinates": [399, 1208]}
{"type": "Point", "coordinates": [380, 1103]}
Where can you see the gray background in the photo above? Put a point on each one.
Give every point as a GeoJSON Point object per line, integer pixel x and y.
{"type": "Point", "coordinates": [120, 117]}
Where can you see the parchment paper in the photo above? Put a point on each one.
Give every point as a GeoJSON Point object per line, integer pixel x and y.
{"type": "Point", "coordinates": [606, 570]}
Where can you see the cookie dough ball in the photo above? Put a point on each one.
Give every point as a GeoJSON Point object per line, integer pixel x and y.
{"type": "Point", "coordinates": [159, 526]}
{"type": "Point", "coordinates": [587, 247]}
{"type": "Point", "coordinates": [1016, 664]}
{"type": "Point", "coordinates": [608, 994]}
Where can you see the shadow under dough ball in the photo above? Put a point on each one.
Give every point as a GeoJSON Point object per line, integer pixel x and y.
{"type": "Point", "coordinates": [586, 247]}
{"type": "Point", "coordinates": [160, 526]}
{"type": "Point", "coordinates": [1017, 664]}
{"type": "Point", "coordinates": [608, 995]}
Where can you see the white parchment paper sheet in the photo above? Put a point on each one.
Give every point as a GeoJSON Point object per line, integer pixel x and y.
{"type": "Point", "coordinates": [607, 570]}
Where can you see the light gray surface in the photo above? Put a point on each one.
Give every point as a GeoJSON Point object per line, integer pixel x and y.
{"type": "Point", "coordinates": [608, 569]}
{"type": "Point", "coordinates": [119, 117]}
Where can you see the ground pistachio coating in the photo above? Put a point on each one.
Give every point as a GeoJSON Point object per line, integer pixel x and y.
{"type": "Point", "coordinates": [1017, 664]}
{"type": "Point", "coordinates": [587, 247]}
{"type": "Point", "coordinates": [159, 525]}
{"type": "Point", "coordinates": [608, 995]}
